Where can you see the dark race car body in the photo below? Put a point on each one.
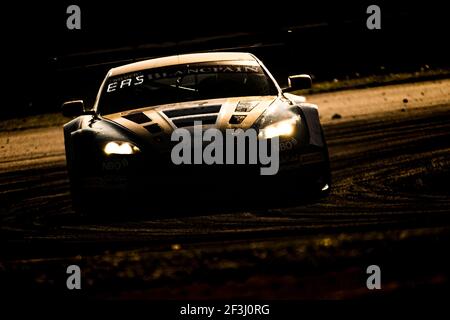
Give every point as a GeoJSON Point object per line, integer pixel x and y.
{"type": "Point", "coordinates": [124, 144]}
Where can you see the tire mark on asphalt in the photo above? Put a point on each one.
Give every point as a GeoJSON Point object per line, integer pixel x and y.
{"type": "Point", "coordinates": [371, 160]}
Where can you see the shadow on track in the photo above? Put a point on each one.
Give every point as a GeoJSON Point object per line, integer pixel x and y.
{"type": "Point", "coordinates": [190, 203]}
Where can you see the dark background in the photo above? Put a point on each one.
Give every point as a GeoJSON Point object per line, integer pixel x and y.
{"type": "Point", "coordinates": [46, 63]}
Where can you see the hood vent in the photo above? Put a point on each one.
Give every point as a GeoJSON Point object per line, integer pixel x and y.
{"type": "Point", "coordinates": [153, 128]}
{"type": "Point", "coordinates": [237, 119]}
{"type": "Point", "coordinates": [187, 116]}
{"type": "Point", "coordinates": [138, 117]}
{"type": "Point", "coordinates": [192, 111]}
{"type": "Point", "coordinates": [189, 122]}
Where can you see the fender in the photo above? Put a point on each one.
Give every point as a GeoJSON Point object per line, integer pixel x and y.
{"type": "Point", "coordinates": [311, 116]}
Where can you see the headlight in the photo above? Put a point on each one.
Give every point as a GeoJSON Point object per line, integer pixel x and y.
{"type": "Point", "coordinates": [280, 128]}
{"type": "Point", "coordinates": [114, 147]}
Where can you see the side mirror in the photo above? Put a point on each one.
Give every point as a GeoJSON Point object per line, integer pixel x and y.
{"type": "Point", "coordinates": [298, 82]}
{"type": "Point", "coordinates": [73, 108]}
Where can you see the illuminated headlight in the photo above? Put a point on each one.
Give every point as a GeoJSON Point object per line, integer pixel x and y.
{"type": "Point", "coordinates": [281, 128]}
{"type": "Point", "coordinates": [114, 147]}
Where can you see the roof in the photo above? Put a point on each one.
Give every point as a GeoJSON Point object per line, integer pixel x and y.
{"type": "Point", "coordinates": [180, 59]}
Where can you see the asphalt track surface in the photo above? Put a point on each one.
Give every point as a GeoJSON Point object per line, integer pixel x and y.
{"type": "Point", "coordinates": [389, 205]}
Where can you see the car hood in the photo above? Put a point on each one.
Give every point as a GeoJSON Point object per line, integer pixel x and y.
{"type": "Point", "coordinates": [158, 121]}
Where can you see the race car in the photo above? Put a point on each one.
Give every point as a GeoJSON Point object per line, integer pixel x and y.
{"type": "Point", "coordinates": [130, 142]}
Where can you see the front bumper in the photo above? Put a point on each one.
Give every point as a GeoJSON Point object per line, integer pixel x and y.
{"type": "Point", "coordinates": [132, 173]}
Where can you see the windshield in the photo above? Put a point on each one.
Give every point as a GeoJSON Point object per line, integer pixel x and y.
{"type": "Point", "coordinates": [182, 83]}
